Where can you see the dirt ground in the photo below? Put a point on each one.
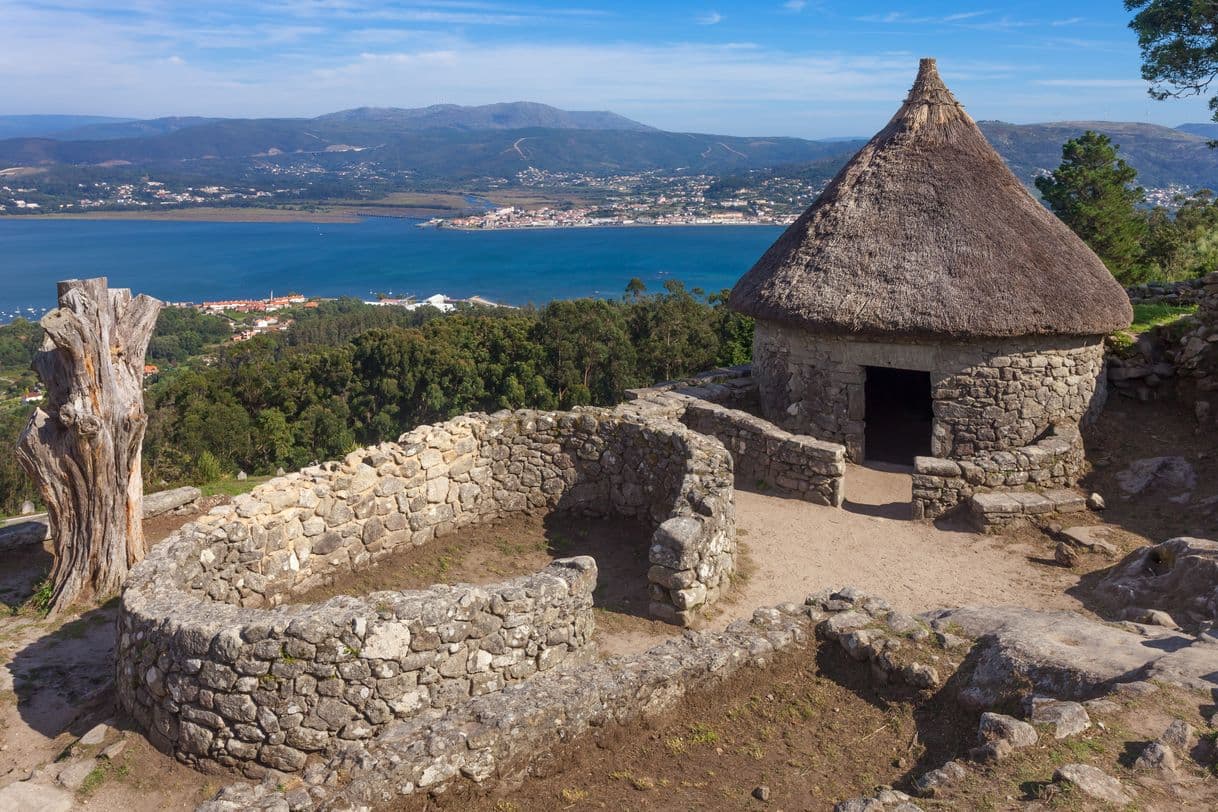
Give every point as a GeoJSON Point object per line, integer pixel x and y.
{"type": "Point", "coordinates": [521, 545]}
{"type": "Point", "coordinates": [816, 729]}
{"type": "Point", "coordinates": [56, 684]}
{"type": "Point", "coordinates": [54, 677]}
{"type": "Point", "coordinates": [813, 729]}
{"type": "Point", "coordinates": [1129, 430]}
{"type": "Point", "coordinates": [510, 547]}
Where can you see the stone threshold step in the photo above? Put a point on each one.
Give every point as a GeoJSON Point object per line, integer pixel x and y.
{"type": "Point", "coordinates": [996, 509]}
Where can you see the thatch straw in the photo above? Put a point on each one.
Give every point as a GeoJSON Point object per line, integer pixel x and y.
{"type": "Point", "coordinates": [926, 233]}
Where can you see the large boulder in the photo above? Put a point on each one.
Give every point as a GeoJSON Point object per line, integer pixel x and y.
{"type": "Point", "coordinates": [1068, 656]}
{"type": "Point", "coordinates": [164, 501]}
{"type": "Point", "coordinates": [1179, 576]}
{"type": "Point", "coordinates": [1173, 477]}
{"type": "Point", "coordinates": [21, 534]}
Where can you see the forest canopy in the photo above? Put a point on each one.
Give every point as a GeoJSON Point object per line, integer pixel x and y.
{"type": "Point", "coordinates": [346, 374]}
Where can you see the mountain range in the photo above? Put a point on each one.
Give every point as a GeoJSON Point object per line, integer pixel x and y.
{"type": "Point", "coordinates": [451, 142]}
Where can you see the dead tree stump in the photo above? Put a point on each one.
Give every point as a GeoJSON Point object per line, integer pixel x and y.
{"type": "Point", "coordinates": [83, 446]}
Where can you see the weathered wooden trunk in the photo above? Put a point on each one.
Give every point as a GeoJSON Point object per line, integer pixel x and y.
{"type": "Point", "coordinates": [83, 446]}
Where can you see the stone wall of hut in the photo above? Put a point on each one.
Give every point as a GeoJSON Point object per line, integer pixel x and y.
{"type": "Point", "coordinates": [993, 395]}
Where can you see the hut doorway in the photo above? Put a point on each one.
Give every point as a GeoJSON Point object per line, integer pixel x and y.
{"type": "Point", "coordinates": [898, 416]}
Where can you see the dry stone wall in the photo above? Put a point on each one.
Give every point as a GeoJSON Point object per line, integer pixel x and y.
{"type": "Point", "coordinates": [1197, 357]}
{"type": "Point", "coordinates": [1179, 359]}
{"type": "Point", "coordinates": [219, 671]}
{"type": "Point", "coordinates": [496, 737]}
{"type": "Point", "coordinates": [1185, 292]}
{"type": "Point", "coordinates": [994, 395]}
{"type": "Point", "coordinates": [1055, 462]}
{"type": "Point", "coordinates": [765, 456]}
{"type": "Point", "coordinates": [223, 686]}
{"type": "Point", "coordinates": [770, 458]}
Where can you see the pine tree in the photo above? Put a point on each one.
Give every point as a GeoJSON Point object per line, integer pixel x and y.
{"type": "Point", "coordinates": [1092, 192]}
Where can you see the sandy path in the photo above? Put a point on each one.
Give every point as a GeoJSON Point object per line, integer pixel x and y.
{"type": "Point", "coordinates": [796, 548]}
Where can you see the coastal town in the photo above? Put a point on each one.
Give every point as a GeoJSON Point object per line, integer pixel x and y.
{"type": "Point", "coordinates": [509, 217]}
{"type": "Point", "coordinates": [563, 199]}
{"type": "Point", "coordinates": [647, 199]}
{"type": "Point", "coordinates": [144, 194]}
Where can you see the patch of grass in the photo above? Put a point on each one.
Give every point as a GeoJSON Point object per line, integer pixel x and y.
{"type": "Point", "coordinates": [232, 486]}
{"type": "Point", "coordinates": [1156, 314]}
{"type": "Point", "coordinates": [703, 734]}
{"type": "Point", "coordinates": [571, 795]}
{"type": "Point", "coordinates": [40, 601]}
{"type": "Point", "coordinates": [93, 781]}
{"type": "Point", "coordinates": [1146, 317]}
{"type": "Point", "coordinates": [1080, 749]}
{"type": "Point", "coordinates": [642, 783]}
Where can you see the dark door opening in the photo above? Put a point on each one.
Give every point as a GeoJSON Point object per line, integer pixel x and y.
{"type": "Point", "coordinates": [899, 415]}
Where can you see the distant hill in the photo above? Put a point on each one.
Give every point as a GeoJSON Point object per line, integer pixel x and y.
{"type": "Point", "coordinates": [449, 142]}
{"type": "Point", "coordinates": [49, 126]}
{"type": "Point", "coordinates": [505, 116]}
{"type": "Point", "coordinates": [102, 131]}
{"type": "Point", "coordinates": [1205, 129]}
{"type": "Point", "coordinates": [1162, 155]}
{"type": "Point", "coordinates": [475, 143]}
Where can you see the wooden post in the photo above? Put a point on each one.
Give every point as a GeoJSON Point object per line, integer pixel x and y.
{"type": "Point", "coordinates": [83, 447]}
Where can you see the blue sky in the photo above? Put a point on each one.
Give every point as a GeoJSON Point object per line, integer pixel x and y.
{"type": "Point", "coordinates": [813, 68]}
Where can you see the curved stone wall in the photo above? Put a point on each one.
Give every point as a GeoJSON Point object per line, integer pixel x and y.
{"type": "Point", "coordinates": [220, 673]}
{"type": "Point", "coordinates": [988, 395]}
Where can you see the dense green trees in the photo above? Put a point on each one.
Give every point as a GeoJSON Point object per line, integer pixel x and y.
{"type": "Point", "coordinates": [19, 340]}
{"type": "Point", "coordinates": [348, 373]}
{"type": "Point", "coordinates": [1179, 40]}
{"type": "Point", "coordinates": [184, 332]}
{"type": "Point", "coordinates": [15, 486]}
{"type": "Point", "coordinates": [1093, 193]}
{"type": "Point", "coordinates": [1183, 245]}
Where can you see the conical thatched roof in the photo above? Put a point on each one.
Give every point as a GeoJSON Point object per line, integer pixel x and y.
{"type": "Point", "coordinates": [925, 232]}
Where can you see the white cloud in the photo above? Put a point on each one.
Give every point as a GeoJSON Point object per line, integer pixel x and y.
{"type": "Point", "coordinates": [795, 5]}
{"type": "Point", "coordinates": [157, 62]}
{"type": "Point", "coordinates": [900, 17]}
{"type": "Point", "coordinates": [709, 18]}
{"type": "Point", "coordinates": [1090, 82]}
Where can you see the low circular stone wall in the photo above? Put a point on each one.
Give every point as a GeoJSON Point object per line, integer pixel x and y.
{"type": "Point", "coordinates": [219, 672]}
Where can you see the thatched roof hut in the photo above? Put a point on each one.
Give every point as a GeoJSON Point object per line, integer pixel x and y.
{"type": "Point", "coordinates": [926, 233]}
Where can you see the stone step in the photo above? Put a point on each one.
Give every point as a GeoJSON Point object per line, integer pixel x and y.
{"type": "Point", "coordinates": [994, 510]}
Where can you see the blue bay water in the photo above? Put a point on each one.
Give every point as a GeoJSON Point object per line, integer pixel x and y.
{"type": "Point", "coordinates": [184, 261]}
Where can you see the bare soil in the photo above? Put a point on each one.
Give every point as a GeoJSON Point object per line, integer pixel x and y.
{"type": "Point", "coordinates": [56, 684]}
{"type": "Point", "coordinates": [814, 729]}
{"type": "Point", "coordinates": [522, 545]}
{"type": "Point", "coordinates": [1112, 744]}
{"type": "Point", "coordinates": [1130, 430]}
{"type": "Point", "coordinates": [871, 543]}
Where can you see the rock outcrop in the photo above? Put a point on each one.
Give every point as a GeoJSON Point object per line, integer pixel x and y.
{"type": "Point", "coordinates": [1179, 577]}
